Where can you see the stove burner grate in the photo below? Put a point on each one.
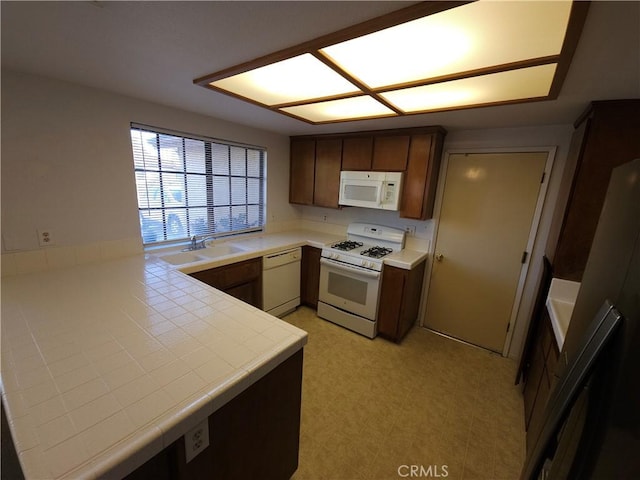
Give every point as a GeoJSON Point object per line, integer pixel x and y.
{"type": "Point", "coordinates": [376, 252]}
{"type": "Point", "coordinates": [346, 245]}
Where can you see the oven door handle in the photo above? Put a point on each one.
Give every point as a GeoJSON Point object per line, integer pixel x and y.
{"type": "Point", "coordinates": [345, 266]}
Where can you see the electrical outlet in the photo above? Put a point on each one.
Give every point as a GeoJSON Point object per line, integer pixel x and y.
{"type": "Point", "coordinates": [45, 237]}
{"type": "Point", "coordinates": [196, 440]}
{"type": "Point", "coordinates": [410, 230]}
{"type": "Point", "coordinates": [324, 218]}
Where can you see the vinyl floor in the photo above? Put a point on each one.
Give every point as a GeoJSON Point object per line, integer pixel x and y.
{"type": "Point", "coordinates": [430, 407]}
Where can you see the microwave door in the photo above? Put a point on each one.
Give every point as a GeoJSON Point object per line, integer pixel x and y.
{"type": "Point", "coordinates": [360, 193]}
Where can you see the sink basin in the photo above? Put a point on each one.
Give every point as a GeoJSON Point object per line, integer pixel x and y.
{"type": "Point", "coordinates": [182, 258]}
{"type": "Point", "coordinates": [208, 253]}
{"type": "Point", "coordinates": [219, 250]}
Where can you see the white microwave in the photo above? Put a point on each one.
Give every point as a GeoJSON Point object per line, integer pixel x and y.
{"type": "Point", "coordinates": [371, 189]}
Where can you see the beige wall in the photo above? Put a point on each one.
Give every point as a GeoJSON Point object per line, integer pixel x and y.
{"type": "Point", "coordinates": [67, 162]}
{"type": "Point", "coordinates": [67, 166]}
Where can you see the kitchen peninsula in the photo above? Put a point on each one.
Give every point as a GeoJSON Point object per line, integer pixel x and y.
{"type": "Point", "coordinates": [106, 366]}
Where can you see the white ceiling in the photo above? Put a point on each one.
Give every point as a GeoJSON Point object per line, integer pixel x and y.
{"type": "Point", "coordinates": [154, 50]}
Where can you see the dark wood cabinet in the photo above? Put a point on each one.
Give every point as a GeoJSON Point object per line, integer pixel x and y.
{"type": "Point", "coordinates": [606, 136]}
{"type": "Point", "coordinates": [327, 172]}
{"type": "Point", "coordinates": [316, 163]}
{"type": "Point", "coordinates": [242, 280]}
{"type": "Point", "coordinates": [357, 153]}
{"type": "Point", "coordinates": [421, 177]}
{"type": "Point", "coordinates": [390, 153]}
{"type": "Point", "coordinates": [254, 435]}
{"type": "Point", "coordinates": [540, 377]}
{"type": "Point", "coordinates": [302, 171]}
{"type": "Point", "coordinates": [314, 175]}
{"type": "Point", "coordinates": [400, 295]}
{"type": "Point", "coordinates": [310, 276]}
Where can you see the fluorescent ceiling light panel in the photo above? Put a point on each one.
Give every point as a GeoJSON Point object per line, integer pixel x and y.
{"type": "Point", "coordinates": [420, 58]}
{"type": "Point", "coordinates": [299, 78]}
{"type": "Point", "coordinates": [344, 109]}
{"type": "Point", "coordinates": [467, 38]}
{"type": "Point", "coordinates": [524, 83]}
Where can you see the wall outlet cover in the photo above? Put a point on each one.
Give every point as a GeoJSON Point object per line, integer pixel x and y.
{"type": "Point", "coordinates": [45, 237]}
{"type": "Point", "coordinates": [196, 440]}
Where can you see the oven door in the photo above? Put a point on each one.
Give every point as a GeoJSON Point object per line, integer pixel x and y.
{"type": "Point", "coordinates": [349, 288]}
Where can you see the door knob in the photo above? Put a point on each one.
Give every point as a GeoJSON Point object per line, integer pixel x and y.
{"type": "Point", "coordinates": [439, 257]}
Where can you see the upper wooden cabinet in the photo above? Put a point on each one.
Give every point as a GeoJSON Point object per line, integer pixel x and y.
{"type": "Point", "coordinates": [357, 153]}
{"type": "Point", "coordinates": [606, 136]}
{"type": "Point", "coordinates": [314, 177]}
{"type": "Point", "coordinates": [302, 171]}
{"type": "Point", "coordinates": [316, 163]}
{"type": "Point", "coordinates": [390, 153]}
{"type": "Point", "coordinates": [327, 172]}
{"type": "Point", "coordinates": [421, 177]}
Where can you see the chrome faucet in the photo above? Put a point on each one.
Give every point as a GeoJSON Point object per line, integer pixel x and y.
{"type": "Point", "coordinates": [194, 244]}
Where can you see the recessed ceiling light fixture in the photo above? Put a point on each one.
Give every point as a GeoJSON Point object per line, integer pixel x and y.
{"type": "Point", "coordinates": [432, 56]}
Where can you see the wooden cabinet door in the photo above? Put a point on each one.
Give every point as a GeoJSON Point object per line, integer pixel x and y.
{"type": "Point", "coordinates": [327, 177]}
{"type": "Point", "coordinates": [310, 276]}
{"type": "Point", "coordinates": [390, 153]}
{"type": "Point", "coordinates": [357, 153]}
{"type": "Point", "coordinates": [607, 137]}
{"type": "Point", "coordinates": [421, 177]}
{"type": "Point", "coordinates": [302, 171]}
{"type": "Point", "coordinates": [390, 305]}
{"type": "Point", "coordinates": [399, 300]}
{"type": "Point", "coordinates": [242, 280]}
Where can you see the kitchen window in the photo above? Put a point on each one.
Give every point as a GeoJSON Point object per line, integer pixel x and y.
{"type": "Point", "coordinates": [195, 186]}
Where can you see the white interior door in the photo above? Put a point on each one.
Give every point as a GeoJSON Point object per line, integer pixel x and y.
{"type": "Point", "coordinates": [487, 209]}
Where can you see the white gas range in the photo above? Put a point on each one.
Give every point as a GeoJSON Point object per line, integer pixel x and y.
{"type": "Point", "coordinates": [350, 273]}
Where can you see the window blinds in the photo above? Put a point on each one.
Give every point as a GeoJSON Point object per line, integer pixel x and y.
{"type": "Point", "coordinates": [188, 185]}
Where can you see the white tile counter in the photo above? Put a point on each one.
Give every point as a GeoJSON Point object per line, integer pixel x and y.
{"type": "Point", "coordinates": [256, 246]}
{"type": "Point", "coordinates": [106, 364]}
{"type": "Point", "coordinates": [560, 302]}
{"type": "Point", "coordinates": [406, 259]}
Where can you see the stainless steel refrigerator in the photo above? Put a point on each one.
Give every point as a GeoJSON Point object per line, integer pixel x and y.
{"type": "Point", "coordinates": [592, 421]}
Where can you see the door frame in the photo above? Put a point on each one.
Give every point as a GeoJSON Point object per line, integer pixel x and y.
{"type": "Point", "coordinates": [531, 241]}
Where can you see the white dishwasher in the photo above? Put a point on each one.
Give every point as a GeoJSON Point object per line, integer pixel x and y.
{"type": "Point", "coordinates": [281, 281]}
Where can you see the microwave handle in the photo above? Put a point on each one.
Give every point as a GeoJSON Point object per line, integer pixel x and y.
{"type": "Point", "coordinates": [382, 192]}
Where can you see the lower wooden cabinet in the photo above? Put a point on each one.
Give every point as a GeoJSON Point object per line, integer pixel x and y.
{"type": "Point", "coordinates": [310, 276]}
{"type": "Point", "coordinates": [255, 435]}
{"type": "Point", "coordinates": [540, 377]}
{"type": "Point", "coordinates": [242, 280]}
{"type": "Point", "coordinates": [399, 300]}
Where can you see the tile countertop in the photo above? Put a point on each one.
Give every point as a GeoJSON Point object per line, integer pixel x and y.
{"type": "Point", "coordinates": [106, 364]}
{"type": "Point", "coordinates": [265, 244]}
{"type": "Point", "coordinates": [560, 302]}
